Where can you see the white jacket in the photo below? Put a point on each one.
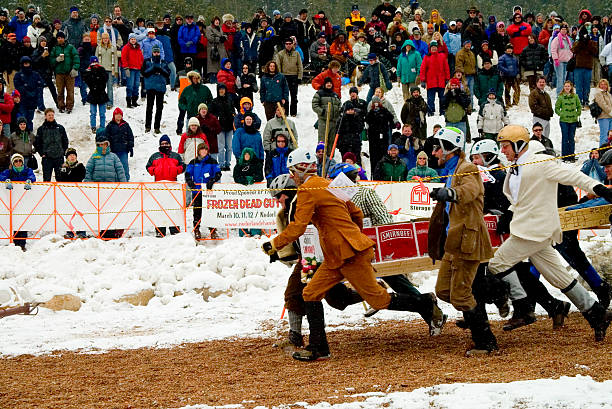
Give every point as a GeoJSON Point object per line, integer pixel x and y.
{"type": "Point", "coordinates": [492, 117]}
{"type": "Point", "coordinates": [605, 57]}
{"type": "Point", "coordinates": [34, 33]}
{"type": "Point", "coordinates": [536, 216]}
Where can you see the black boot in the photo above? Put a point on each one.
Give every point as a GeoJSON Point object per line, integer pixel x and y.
{"type": "Point", "coordinates": [317, 348]}
{"type": "Point", "coordinates": [484, 340]}
{"type": "Point", "coordinates": [129, 101]}
{"type": "Point", "coordinates": [135, 102]}
{"type": "Point", "coordinates": [599, 319]}
{"type": "Point", "coordinates": [425, 304]}
{"type": "Point", "coordinates": [604, 294]}
{"type": "Point", "coordinates": [560, 314]}
{"type": "Point", "coordinates": [537, 293]}
{"type": "Point", "coordinates": [523, 315]}
{"type": "Point", "coordinates": [340, 297]}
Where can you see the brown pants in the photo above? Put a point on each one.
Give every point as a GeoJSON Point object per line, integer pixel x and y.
{"type": "Point", "coordinates": [358, 271]}
{"type": "Point", "coordinates": [293, 293]}
{"type": "Point", "coordinates": [269, 109]}
{"type": "Point", "coordinates": [454, 284]}
{"type": "Point", "coordinates": [65, 82]}
{"type": "Point", "coordinates": [512, 83]}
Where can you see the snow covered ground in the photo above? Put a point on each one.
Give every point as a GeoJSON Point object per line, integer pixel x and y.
{"type": "Point", "coordinates": [244, 293]}
{"type": "Point", "coordinates": [565, 392]}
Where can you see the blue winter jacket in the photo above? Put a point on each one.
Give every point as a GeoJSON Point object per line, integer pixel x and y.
{"type": "Point", "coordinates": [243, 139]}
{"type": "Point", "coordinates": [453, 42]}
{"type": "Point", "coordinates": [422, 47]}
{"type": "Point", "coordinates": [167, 54]}
{"type": "Point", "coordinates": [591, 168]}
{"type": "Point", "coordinates": [29, 84]}
{"type": "Point", "coordinates": [104, 167]}
{"type": "Point", "coordinates": [20, 28]}
{"type": "Point", "coordinates": [508, 66]}
{"type": "Point", "coordinates": [146, 46]}
{"type": "Point", "coordinates": [13, 175]}
{"type": "Point", "coordinates": [249, 46]}
{"type": "Point", "coordinates": [188, 33]}
{"type": "Point", "coordinates": [276, 163]}
{"type": "Point", "coordinates": [273, 88]}
{"type": "Point", "coordinates": [141, 34]}
{"type": "Point", "coordinates": [202, 171]}
{"type": "Point", "coordinates": [155, 74]}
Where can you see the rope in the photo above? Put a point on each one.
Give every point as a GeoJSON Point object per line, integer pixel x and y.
{"type": "Point", "coordinates": [265, 189]}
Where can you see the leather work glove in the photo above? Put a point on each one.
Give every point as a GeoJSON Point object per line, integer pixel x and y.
{"type": "Point", "coordinates": [603, 191]}
{"type": "Point", "coordinates": [74, 73]}
{"type": "Point", "coordinates": [268, 248]}
{"type": "Point", "coordinates": [444, 194]}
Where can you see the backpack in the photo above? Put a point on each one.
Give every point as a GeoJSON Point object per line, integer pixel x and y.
{"type": "Point", "coordinates": [454, 112]}
{"type": "Point", "coordinates": [595, 110]}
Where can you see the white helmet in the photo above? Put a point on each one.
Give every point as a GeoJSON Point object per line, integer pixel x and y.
{"type": "Point", "coordinates": [485, 146]}
{"type": "Point", "coordinates": [451, 139]}
{"type": "Point", "coordinates": [302, 160]}
{"type": "Point", "coordinates": [280, 183]}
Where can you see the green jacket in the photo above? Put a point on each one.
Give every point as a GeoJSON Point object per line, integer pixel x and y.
{"type": "Point", "coordinates": [390, 169]}
{"type": "Point", "coordinates": [192, 96]}
{"type": "Point", "coordinates": [408, 64]}
{"type": "Point", "coordinates": [485, 80]}
{"type": "Point", "coordinates": [71, 58]}
{"type": "Point", "coordinates": [422, 171]}
{"type": "Point", "coordinates": [568, 107]}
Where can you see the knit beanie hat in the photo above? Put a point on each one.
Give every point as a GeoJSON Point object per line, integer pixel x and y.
{"type": "Point", "coordinates": [166, 138]}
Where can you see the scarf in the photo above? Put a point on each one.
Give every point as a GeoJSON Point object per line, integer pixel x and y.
{"type": "Point", "coordinates": [563, 37]}
{"type": "Point", "coordinates": [111, 33]}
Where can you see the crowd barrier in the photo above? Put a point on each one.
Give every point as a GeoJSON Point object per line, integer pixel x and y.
{"type": "Point", "coordinates": [97, 208]}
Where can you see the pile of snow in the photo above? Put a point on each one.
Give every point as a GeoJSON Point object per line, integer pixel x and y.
{"type": "Point", "coordinates": [565, 392]}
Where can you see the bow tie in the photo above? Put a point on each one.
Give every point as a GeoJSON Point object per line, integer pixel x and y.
{"type": "Point", "coordinates": [514, 170]}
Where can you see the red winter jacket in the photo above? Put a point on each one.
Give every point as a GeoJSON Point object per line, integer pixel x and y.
{"type": "Point", "coordinates": [131, 57]}
{"type": "Point", "coordinates": [229, 33]}
{"type": "Point", "coordinates": [317, 82]}
{"type": "Point", "coordinates": [228, 78]}
{"type": "Point", "coordinates": [6, 107]}
{"type": "Point", "coordinates": [521, 41]}
{"type": "Point", "coordinates": [165, 167]}
{"type": "Point", "coordinates": [434, 70]}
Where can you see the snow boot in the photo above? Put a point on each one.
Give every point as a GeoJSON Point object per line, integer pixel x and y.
{"type": "Point", "coordinates": [196, 234]}
{"type": "Point", "coordinates": [604, 294]}
{"type": "Point", "coordinates": [135, 102]}
{"type": "Point", "coordinates": [482, 336]}
{"type": "Point", "coordinates": [129, 102]}
{"type": "Point", "coordinates": [599, 319]}
{"type": "Point", "coordinates": [317, 348]}
{"type": "Point", "coordinates": [523, 315]}
{"type": "Point", "coordinates": [537, 293]}
{"type": "Point", "coordinates": [213, 233]}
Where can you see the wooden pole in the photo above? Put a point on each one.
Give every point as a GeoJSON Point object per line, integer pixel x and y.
{"type": "Point", "coordinates": [323, 170]}
{"type": "Point", "coordinates": [278, 104]}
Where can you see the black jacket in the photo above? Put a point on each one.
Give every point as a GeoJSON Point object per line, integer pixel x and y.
{"type": "Point", "coordinates": [96, 77]}
{"type": "Point", "coordinates": [51, 140]}
{"type": "Point", "coordinates": [74, 173]}
{"type": "Point", "coordinates": [533, 57]}
{"type": "Point", "coordinates": [224, 110]}
{"type": "Point", "coordinates": [349, 133]}
{"type": "Point", "coordinates": [120, 136]}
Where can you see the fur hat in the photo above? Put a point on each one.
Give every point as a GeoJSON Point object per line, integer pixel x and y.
{"type": "Point", "coordinates": [227, 17]}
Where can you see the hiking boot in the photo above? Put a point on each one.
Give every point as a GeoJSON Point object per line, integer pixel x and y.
{"type": "Point", "coordinates": [135, 102]}
{"type": "Point", "coordinates": [482, 336]}
{"type": "Point", "coordinates": [69, 235]}
{"type": "Point", "coordinates": [157, 131]}
{"type": "Point", "coordinates": [93, 129]}
{"type": "Point", "coordinates": [129, 101]}
{"type": "Point", "coordinates": [560, 314]}
{"type": "Point", "coordinates": [438, 318]}
{"type": "Point", "coordinates": [147, 130]}
{"type": "Point", "coordinates": [311, 354]}
{"type": "Point", "coordinates": [213, 233]}
{"type": "Point", "coordinates": [523, 315]}
{"type": "Point", "coordinates": [293, 340]}
{"type": "Point", "coordinates": [196, 234]}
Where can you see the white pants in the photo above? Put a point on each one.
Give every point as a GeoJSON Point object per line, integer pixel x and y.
{"type": "Point", "coordinates": [541, 253]}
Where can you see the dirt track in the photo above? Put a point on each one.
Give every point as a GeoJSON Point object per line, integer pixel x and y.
{"type": "Point", "coordinates": [394, 356]}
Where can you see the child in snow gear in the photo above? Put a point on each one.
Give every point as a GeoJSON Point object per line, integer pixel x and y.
{"type": "Point", "coordinates": [18, 172]}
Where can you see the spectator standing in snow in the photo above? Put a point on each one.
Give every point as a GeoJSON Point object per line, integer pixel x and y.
{"type": "Point", "coordinates": [121, 139]}
{"type": "Point", "coordinates": [51, 143]}
{"type": "Point", "coordinates": [155, 73]}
